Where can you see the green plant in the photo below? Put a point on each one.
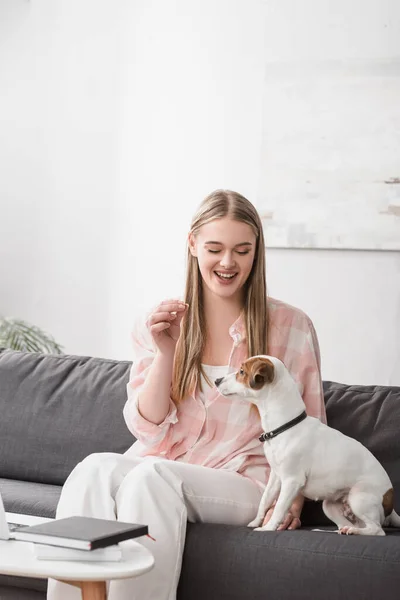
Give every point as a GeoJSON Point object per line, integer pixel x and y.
{"type": "Point", "coordinates": [20, 335]}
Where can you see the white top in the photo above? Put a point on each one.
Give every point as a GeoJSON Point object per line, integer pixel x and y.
{"type": "Point", "coordinates": [18, 558]}
{"type": "Point", "coordinates": [213, 372]}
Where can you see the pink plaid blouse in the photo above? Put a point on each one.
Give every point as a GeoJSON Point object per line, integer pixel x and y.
{"type": "Point", "coordinates": [223, 432]}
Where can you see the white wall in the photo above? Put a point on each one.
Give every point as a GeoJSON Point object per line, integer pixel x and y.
{"type": "Point", "coordinates": [58, 115]}
{"type": "Point", "coordinates": [353, 297]}
{"type": "Point", "coordinates": [117, 118]}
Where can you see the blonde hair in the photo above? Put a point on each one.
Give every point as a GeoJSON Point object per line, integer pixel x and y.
{"type": "Point", "coordinates": [190, 346]}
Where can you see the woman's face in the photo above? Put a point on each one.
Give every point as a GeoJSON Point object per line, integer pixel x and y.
{"type": "Point", "coordinates": [225, 252]}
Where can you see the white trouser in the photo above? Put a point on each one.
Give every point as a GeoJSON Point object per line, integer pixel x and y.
{"type": "Point", "coordinates": [163, 494]}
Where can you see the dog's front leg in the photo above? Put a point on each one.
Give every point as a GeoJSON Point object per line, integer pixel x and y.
{"type": "Point", "coordinates": [269, 496]}
{"type": "Point", "coordinates": [289, 490]}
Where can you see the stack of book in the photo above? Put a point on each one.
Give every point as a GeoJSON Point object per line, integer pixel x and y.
{"type": "Point", "coordinates": [79, 538]}
{"type": "Point", "coordinates": [110, 554]}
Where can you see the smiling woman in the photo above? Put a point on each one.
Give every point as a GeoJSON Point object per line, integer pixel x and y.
{"type": "Point", "coordinates": [198, 456]}
{"type": "Point", "coordinates": [222, 260]}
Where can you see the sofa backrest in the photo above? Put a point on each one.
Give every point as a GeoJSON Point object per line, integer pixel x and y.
{"type": "Point", "coordinates": [371, 415]}
{"type": "Point", "coordinates": [57, 409]}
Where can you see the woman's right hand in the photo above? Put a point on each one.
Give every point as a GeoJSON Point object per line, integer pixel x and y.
{"type": "Point", "coordinates": [164, 324]}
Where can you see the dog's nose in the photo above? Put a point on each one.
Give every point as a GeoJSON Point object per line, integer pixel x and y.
{"type": "Point", "coordinates": [218, 381]}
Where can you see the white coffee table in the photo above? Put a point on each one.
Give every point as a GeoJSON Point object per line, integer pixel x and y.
{"type": "Point", "coordinates": [17, 558]}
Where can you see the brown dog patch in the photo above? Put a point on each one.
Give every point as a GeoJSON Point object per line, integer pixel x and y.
{"type": "Point", "coordinates": [388, 502]}
{"type": "Point", "coordinates": [256, 372]}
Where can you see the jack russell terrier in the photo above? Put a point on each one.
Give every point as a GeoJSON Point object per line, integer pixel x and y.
{"type": "Point", "coordinates": [309, 457]}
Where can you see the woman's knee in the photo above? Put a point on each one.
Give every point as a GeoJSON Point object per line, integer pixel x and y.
{"type": "Point", "coordinates": [94, 464]}
{"type": "Point", "coordinates": [146, 473]}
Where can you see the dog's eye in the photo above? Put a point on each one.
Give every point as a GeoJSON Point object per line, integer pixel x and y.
{"type": "Point", "coordinates": [241, 372]}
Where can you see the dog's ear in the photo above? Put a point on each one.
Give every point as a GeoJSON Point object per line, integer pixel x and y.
{"type": "Point", "coordinates": [262, 372]}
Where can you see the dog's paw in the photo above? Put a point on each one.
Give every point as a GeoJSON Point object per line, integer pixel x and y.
{"type": "Point", "coordinates": [255, 523]}
{"type": "Point", "coordinates": [346, 530]}
{"type": "Point", "coordinates": [267, 527]}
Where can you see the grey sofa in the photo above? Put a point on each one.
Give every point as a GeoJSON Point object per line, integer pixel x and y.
{"type": "Point", "coordinates": [55, 410]}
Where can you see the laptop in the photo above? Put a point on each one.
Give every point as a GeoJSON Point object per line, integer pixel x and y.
{"type": "Point", "coordinates": [6, 528]}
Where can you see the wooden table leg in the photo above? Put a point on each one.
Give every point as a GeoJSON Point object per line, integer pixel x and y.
{"type": "Point", "coordinates": [94, 590]}
{"type": "Point", "coordinates": [91, 590]}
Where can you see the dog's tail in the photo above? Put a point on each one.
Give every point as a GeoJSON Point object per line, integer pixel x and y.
{"type": "Point", "coordinates": [394, 519]}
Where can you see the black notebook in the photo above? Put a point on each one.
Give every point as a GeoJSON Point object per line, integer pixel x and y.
{"type": "Point", "coordinates": [84, 533]}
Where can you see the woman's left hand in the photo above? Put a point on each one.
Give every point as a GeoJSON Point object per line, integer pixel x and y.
{"type": "Point", "coordinates": [292, 519]}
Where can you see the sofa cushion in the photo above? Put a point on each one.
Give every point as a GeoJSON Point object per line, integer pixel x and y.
{"type": "Point", "coordinates": [57, 409]}
{"type": "Point", "coordinates": [29, 498]}
{"type": "Point", "coordinates": [19, 588]}
{"type": "Point", "coordinates": [371, 415]}
{"type": "Point", "coordinates": [222, 562]}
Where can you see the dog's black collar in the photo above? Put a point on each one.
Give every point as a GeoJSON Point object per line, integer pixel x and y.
{"type": "Point", "coordinates": [271, 434]}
